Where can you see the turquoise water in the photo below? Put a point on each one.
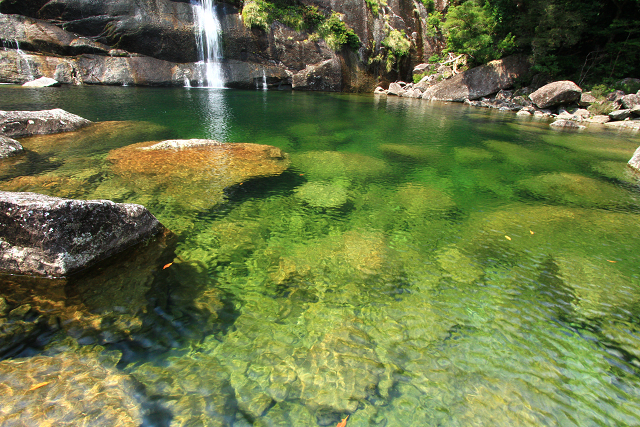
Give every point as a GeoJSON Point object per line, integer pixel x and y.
{"type": "Point", "coordinates": [418, 264]}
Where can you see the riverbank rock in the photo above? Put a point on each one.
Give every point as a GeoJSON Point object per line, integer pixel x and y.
{"type": "Point", "coordinates": [9, 147]}
{"type": "Point", "coordinates": [634, 162]}
{"type": "Point", "coordinates": [42, 82]}
{"type": "Point", "coordinates": [556, 93]}
{"type": "Point", "coordinates": [50, 236]}
{"type": "Point", "coordinates": [194, 173]}
{"type": "Point", "coordinates": [480, 81]}
{"type": "Point", "coordinates": [16, 124]}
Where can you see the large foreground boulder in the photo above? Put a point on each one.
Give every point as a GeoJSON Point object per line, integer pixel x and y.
{"type": "Point", "coordinates": [556, 93]}
{"type": "Point", "coordinates": [480, 81]}
{"type": "Point", "coordinates": [50, 236]}
{"type": "Point", "coordinates": [9, 147]}
{"type": "Point", "coordinates": [16, 124]}
{"type": "Point", "coordinates": [634, 162]}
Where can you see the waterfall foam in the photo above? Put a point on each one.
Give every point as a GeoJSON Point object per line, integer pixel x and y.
{"type": "Point", "coordinates": [207, 28]}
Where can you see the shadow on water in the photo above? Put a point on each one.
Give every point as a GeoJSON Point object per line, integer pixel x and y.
{"type": "Point", "coordinates": [142, 302]}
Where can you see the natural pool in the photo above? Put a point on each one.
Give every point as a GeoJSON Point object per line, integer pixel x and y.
{"type": "Point", "coordinates": [419, 264]}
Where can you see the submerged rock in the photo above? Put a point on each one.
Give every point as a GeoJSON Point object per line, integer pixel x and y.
{"type": "Point", "coordinates": [71, 388]}
{"type": "Point", "coordinates": [194, 173]}
{"type": "Point", "coordinates": [50, 236]}
{"type": "Point", "coordinates": [17, 124]}
{"type": "Point", "coordinates": [575, 189]}
{"type": "Point", "coordinates": [329, 165]}
{"type": "Point", "coordinates": [9, 147]}
{"type": "Point", "coordinates": [322, 194]}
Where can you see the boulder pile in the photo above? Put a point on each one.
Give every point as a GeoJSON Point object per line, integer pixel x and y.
{"type": "Point", "coordinates": [490, 86]}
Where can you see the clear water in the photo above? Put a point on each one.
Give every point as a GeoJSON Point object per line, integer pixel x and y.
{"type": "Point", "coordinates": [419, 263]}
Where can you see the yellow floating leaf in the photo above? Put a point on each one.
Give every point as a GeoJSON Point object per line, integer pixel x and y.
{"type": "Point", "coordinates": [507, 237]}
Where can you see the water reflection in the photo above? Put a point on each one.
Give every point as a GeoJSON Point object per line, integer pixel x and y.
{"type": "Point", "coordinates": [214, 112]}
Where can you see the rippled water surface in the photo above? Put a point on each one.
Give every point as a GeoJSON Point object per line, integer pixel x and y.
{"type": "Point", "coordinates": [419, 264]}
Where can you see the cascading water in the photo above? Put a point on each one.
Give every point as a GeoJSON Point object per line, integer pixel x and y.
{"type": "Point", "coordinates": [264, 80]}
{"type": "Point", "coordinates": [207, 27]}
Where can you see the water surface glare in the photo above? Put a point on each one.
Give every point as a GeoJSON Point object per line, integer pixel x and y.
{"type": "Point", "coordinates": [418, 264]}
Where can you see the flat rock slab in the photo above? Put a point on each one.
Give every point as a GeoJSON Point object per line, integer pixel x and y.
{"type": "Point", "coordinates": [634, 162]}
{"type": "Point", "coordinates": [50, 236]}
{"type": "Point", "coordinates": [9, 147]}
{"type": "Point", "coordinates": [42, 82]}
{"type": "Point", "coordinates": [16, 124]}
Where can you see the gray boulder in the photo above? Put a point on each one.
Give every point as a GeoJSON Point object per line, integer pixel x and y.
{"type": "Point", "coordinates": [556, 93]}
{"type": "Point", "coordinates": [324, 76]}
{"type": "Point", "coordinates": [50, 236]}
{"type": "Point", "coordinates": [566, 124]}
{"type": "Point", "coordinates": [394, 89]}
{"type": "Point", "coordinates": [9, 147]}
{"type": "Point", "coordinates": [620, 115]}
{"type": "Point", "coordinates": [634, 162]}
{"type": "Point", "coordinates": [630, 101]}
{"type": "Point", "coordinates": [586, 99]}
{"type": "Point", "coordinates": [42, 82]}
{"type": "Point", "coordinates": [480, 81]}
{"type": "Point", "coordinates": [17, 124]}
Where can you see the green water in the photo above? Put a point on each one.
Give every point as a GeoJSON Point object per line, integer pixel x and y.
{"type": "Point", "coordinates": [419, 264]}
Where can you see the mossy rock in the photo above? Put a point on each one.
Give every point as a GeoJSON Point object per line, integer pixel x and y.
{"type": "Point", "coordinates": [472, 155]}
{"type": "Point", "coordinates": [419, 200]}
{"type": "Point", "coordinates": [322, 194]}
{"type": "Point", "coordinates": [329, 165]}
{"type": "Point", "coordinates": [577, 190]}
{"type": "Point", "coordinates": [411, 153]}
{"type": "Point", "coordinates": [194, 173]}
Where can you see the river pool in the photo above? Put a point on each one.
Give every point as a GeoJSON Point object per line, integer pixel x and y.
{"type": "Point", "coordinates": [419, 264]}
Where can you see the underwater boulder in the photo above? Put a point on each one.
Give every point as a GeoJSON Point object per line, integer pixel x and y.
{"type": "Point", "coordinates": [329, 165]}
{"type": "Point", "coordinates": [322, 194]}
{"type": "Point", "coordinates": [195, 172]}
{"type": "Point", "coordinates": [77, 387]}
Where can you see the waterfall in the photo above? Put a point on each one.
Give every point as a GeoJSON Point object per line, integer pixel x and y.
{"type": "Point", "coordinates": [207, 28]}
{"type": "Point", "coordinates": [264, 80]}
{"type": "Point", "coordinates": [24, 67]}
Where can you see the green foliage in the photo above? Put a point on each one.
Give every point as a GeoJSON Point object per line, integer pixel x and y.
{"type": "Point", "coordinates": [261, 13]}
{"type": "Point", "coordinates": [472, 29]}
{"type": "Point", "coordinates": [375, 5]}
{"type": "Point", "coordinates": [255, 14]}
{"type": "Point", "coordinates": [398, 45]}
{"type": "Point", "coordinates": [434, 24]}
{"type": "Point", "coordinates": [628, 87]}
{"type": "Point", "coordinates": [602, 108]}
{"type": "Point", "coordinates": [430, 5]}
{"type": "Point", "coordinates": [601, 91]}
{"type": "Point", "coordinates": [336, 33]}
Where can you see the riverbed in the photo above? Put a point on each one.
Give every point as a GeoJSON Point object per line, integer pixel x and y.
{"type": "Point", "coordinates": [419, 263]}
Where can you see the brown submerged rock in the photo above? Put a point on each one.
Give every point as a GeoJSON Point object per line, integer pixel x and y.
{"type": "Point", "coordinates": [195, 172]}
{"type": "Point", "coordinates": [50, 236]}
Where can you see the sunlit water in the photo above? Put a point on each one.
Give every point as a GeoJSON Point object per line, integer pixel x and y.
{"type": "Point", "coordinates": [419, 264]}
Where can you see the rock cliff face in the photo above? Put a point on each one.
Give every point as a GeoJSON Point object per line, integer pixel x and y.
{"type": "Point", "coordinates": [152, 42]}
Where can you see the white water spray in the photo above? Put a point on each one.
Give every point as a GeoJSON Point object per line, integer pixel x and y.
{"type": "Point", "coordinates": [264, 80]}
{"type": "Point", "coordinates": [23, 63]}
{"type": "Point", "coordinates": [207, 27]}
